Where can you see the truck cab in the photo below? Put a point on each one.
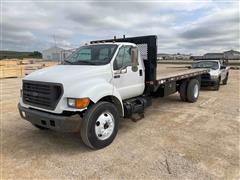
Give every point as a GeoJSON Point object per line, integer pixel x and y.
{"type": "Point", "coordinates": [113, 71]}
{"type": "Point", "coordinates": [217, 72]}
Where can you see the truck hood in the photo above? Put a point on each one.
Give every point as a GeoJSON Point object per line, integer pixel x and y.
{"type": "Point", "coordinates": [214, 72]}
{"type": "Point", "coordinates": [70, 73]}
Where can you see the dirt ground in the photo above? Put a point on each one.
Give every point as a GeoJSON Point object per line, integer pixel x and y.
{"type": "Point", "coordinates": [175, 140]}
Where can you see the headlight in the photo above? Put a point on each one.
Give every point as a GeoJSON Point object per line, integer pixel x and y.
{"type": "Point", "coordinates": [71, 102]}
{"type": "Point", "coordinates": [78, 103]}
{"type": "Point", "coordinates": [214, 76]}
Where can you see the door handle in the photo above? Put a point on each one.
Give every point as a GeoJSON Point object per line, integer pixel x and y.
{"type": "Point", "coordinates": [116, 76]}
{"type": "Point", "coordinates": [140, 72]}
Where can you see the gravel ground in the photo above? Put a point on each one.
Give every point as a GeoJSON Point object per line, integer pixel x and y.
{"type": "Point", "coordinates": [175, 140]}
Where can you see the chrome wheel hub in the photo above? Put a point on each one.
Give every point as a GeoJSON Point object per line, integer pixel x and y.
{"type": "Point", "coordinates": [195, 91]}
{"type": "Point", "coordinates": [104, 126]}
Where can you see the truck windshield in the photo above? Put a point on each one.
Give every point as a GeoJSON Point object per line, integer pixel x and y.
{"type": "Point", "coordinates": [206, 64]}
{"type": "Point", "coordinates": [92, 55]}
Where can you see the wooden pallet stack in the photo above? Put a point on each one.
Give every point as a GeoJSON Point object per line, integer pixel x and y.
{"type": "Point", "coordinates": [9, 62]}
{"type": "Point", "coordinates": [20, 68]}
{"type": "Point", "coordinates": [11, 68]}
{"type": "Point", "coordinates": [11, 71]}
{"type": "Point", "coordinates": [48, 64]}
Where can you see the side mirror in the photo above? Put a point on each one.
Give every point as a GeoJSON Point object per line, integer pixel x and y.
{"type": "Point", "coordinates": [134, 58]}
{"type": "Point", "coordinates": [122, 70]}
{"type": "Point", "coordinates": [223, 67]}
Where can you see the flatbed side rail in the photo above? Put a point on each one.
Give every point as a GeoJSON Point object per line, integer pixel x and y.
{"type": "Point", "coordinates": [179, 77]}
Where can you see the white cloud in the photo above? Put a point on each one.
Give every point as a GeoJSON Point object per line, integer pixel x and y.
{"type": "Point", "coordinates": [31, 25]}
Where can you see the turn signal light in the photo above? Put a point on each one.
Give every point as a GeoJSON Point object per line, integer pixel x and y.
{"type": "Point", "coordinates": [78, 103]}
{"type": "Point", "coordinates": [81, 103]}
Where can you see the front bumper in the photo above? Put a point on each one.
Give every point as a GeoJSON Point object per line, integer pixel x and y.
{"type": "Point", "coordinates": [61, 123]}
{"type": "Point", "coordinates": [209, 82]}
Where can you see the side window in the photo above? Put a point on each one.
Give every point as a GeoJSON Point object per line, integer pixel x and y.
{"type": "Point", "coordinates": [127, 60]}
{"type": "Point", "coordinates": [119, 59]}
{"type": "Point", "coordinates": [123, 59]}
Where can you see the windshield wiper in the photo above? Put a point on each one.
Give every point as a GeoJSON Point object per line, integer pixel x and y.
{"type": "Point", "coordinates": [84, 62]}
{"type": "Point", "coordinates": [69, 62]}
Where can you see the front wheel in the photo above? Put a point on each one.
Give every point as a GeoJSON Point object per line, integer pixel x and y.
{"type": "Point", "coordinates": [100, 125]}
{"type": "Point", "coordinates": [225, 80]}
{"type": "Point", "coordinates": [217, 86]}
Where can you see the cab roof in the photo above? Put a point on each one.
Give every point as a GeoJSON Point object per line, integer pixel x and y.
{"type": "Point", "coordinates": [114, 43]}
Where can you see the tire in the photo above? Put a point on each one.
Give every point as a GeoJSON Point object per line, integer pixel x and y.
{"type": "Point", "coordinates": [95, 120]}
{"type": "Point", "coordinates": [225, 80]}
{"type": "Point", "coordinates": [40, 127]}
{"type": "Point", "coordinates": [183, 91]}
{"type": "Point", "coordinates": [217, 86]}
{"type": "Point", "coordinates": [193, 90]}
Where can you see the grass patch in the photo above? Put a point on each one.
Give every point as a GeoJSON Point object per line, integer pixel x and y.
{"type": "Point", "coordinates": [19, 55]}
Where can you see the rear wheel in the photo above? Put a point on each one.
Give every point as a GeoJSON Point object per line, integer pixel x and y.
{"type": "Point", "coordinates": [183, 91]}
{"type": "Point", "coordinates": [193, 90]}
{"type": "Point", "coordinates": [100, 125]}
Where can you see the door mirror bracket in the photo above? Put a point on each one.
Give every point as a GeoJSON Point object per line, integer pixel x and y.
{"type": "Point", "coordinates": [223, 67]}
{"type": "Point", "coordinates": [122, 70]}
{"type": "Point", "coordinates": [134, 58]}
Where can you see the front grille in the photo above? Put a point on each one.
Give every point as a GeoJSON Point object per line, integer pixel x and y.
{"type": "Point", "coordinates": [42, 94]}
{"type": "Point", "coordinates": [205, 76]}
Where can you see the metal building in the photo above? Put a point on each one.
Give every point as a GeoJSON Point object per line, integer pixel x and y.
{"type": "Point", "coordinates": [232, 55]}
{"type": "Point", "coordinates": [213, 56]}
{"type": "Point", "coordinates": [56, 54]}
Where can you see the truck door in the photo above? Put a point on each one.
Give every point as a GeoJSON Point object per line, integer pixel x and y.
{"type": "Point", "coordinates": [128, 81]}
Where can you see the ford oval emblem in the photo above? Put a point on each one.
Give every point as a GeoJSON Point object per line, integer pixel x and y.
{"type": "Point", "coordinates": [35, 94]}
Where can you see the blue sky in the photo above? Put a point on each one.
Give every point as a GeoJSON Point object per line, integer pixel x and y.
{"type": "Point", "coordinates": [188, 26]}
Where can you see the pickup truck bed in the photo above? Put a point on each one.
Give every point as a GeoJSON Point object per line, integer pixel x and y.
{"type": "Point", "coordinates": [176, 73]}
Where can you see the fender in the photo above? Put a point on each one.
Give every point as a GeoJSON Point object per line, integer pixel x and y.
{"type": "Point", "coordinates": [95, 89]}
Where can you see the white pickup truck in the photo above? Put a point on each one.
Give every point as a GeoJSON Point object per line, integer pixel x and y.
{"type": "Point", "coordinates": [218, 72]}
{"type": "Point", "coordinates": [99, 84]}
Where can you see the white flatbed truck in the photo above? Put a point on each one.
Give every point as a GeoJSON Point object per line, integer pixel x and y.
{"type": "Point", "coordinates": [99, 84]}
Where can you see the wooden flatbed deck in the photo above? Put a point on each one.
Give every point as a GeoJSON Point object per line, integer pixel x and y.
{"type": "Point", "coordinates": [176, 73]}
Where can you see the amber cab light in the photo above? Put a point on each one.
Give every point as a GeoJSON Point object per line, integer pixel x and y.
{"type": "Point", "coordinates": [78, 103]}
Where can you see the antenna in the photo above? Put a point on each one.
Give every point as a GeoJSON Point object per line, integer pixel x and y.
{"type": "Point", "coordinates": [61, 52]}
{"type": "Point", "coordinates": [54, 39]}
